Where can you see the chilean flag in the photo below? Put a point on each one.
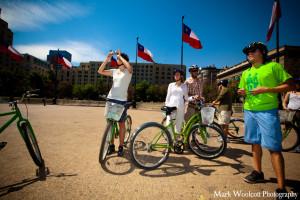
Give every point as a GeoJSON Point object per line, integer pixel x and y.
{"type": "Point", "coordinates": [190, 37]}
{"type": "Point", "coordinates": [113, 62]}
{"type": "Point", "coordinates": [144, 53]}
{"type": "Point", "coordinates": [64, 62]}
{"type": "Point", "coordinates": [14, 54]}
{"type": "Point", "coordinates": [276, 14]}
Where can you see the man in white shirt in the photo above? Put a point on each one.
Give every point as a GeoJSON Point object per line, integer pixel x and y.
{"type": "Point", "coordinates": [118, 92]}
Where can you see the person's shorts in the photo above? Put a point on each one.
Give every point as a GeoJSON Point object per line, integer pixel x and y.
{"type": "Point", "coordinates": [124, 114]}
{"type": "Point", "coordinates": [224, 117]}
{"type": "Point", "coordinates": [263, 128]}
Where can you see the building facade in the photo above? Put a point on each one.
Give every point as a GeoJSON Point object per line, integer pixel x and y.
{"type": "Point", "coordinates": [87, 73]}
{"type": "Point", "coordinates": [6, 38]}
{"type": "Point", "coordinates": [35, 64]}
{"type": "Point", "coordinates": [208, 74]}
{"type": "Point", "coordinates": [289, 57]}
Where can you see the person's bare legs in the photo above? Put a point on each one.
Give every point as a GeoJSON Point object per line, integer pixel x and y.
{"type": "Point", "coordinates": [225, 129]}
{"type": "Point", "coordinates": [278, 166]}
{"type": "Point", "coordinates": [256, 157]}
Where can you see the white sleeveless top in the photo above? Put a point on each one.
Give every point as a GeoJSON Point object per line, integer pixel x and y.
{"type": "Point", "coordinates": [294, 101]}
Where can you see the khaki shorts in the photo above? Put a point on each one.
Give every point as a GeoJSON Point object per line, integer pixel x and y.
{"type": "Point", "coordinates": [224, 117]}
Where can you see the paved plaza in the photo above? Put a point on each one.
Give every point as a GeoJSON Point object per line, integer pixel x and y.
{"type": "Point", "coordinates": [69, 139]}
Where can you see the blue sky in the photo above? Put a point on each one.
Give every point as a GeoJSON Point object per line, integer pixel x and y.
{"type": "Point", "coordinates": [89, 29]}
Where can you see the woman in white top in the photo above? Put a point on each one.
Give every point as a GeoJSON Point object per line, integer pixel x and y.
{"type": "Point", "coordinates": [292, 99]}
{"type": "Point", "coordinates": [176, 97]}
{"type": "Point", "coordinates": [118, 92]}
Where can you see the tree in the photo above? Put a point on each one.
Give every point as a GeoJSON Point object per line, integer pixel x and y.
{"type": "Point", "coordinates": [141, 88]}
{"type": "Point", "coordinates": [13, 81]}
{"type": "Point", "coordinates": [210, 92]}
{"type": "Point", "coordinates": [65, 90]}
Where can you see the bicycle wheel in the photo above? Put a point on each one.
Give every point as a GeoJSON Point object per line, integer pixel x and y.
{"type": "Point", "coordinates": [206, 141]}
{"type": "Point", "coordinates": [150, 145]}
{"type": "Point", "coordinates": [106, 140]}
{"type": "Point", "coordinates": [128, 123]}
{"type": "Point", "coordinates": [31, 143]}
{"type": "Point", "coordinates": [236, 128]}
{"type": "Point", "coordinates": [290, 136]}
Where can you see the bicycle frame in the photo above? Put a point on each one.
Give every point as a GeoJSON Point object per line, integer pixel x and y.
{"type": "Point", "coordinates": [114, 128]}
{"type": "Point", "coordinates": [185, 131]}
{"type": "Point", "coordinates": [16, 115]}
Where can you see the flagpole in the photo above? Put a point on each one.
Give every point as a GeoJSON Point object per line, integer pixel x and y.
{"type": "Point", "coordinates": [55, 83]}
{"type": "Point", "coordinates": [181, 62]}
{"type": "Point", "coordinates": [277, 34]}
{"type": "Point", "coordinates": [136, 52]}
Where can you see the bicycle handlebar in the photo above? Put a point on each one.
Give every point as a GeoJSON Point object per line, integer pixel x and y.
{"type": "Point", "coordinates": [29, 93]}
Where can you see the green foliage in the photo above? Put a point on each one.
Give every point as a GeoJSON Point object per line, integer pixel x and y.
{"type": "Point", "coordinates": [13, 82]}
{"type": "Point", "coordinates": [210, 92]}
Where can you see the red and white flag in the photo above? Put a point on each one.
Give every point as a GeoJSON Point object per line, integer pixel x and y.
{"type": "Point", "coordinates": [276, 14]}
{"type": "Point", "coordinates": [64, 62]}
{"type": "Point", "coordinates": [144, 53]}
{"type": "Point", "coordinates": [113, 62]}
{"type": "Point", "coordinates": [12, 52]}
{"type": "Point", "coordinates": [190, 37]}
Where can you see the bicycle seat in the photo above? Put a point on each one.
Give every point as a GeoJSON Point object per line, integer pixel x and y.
{"type": "Point", "coordinates": [168, 110]}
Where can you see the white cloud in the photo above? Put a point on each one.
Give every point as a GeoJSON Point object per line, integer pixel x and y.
{"type": "Point", "coordinates": [81, 51]}
{"type": "Point", "coordinates": [25, 16]}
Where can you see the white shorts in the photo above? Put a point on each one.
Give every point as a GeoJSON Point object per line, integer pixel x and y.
{"type": "Point", "coordinates": [224, 117]}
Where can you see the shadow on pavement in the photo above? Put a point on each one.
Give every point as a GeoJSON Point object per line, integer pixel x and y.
{"type": "Point", "coordinates": [20, 185]}
{"type": "Point", "coordinates": [175, 166]}
{"type": "Point", "coordinates": [234, 154]}
{"type": "Point", "coordinates": [294, 184]}
{"type": "Point", "coordinates": [118, 165]}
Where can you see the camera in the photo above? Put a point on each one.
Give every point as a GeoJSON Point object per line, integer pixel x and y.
{"type": "Point", "coordinates": [114, 52]}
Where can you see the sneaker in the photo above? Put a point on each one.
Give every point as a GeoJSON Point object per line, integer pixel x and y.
{"type": "Point", "coordinates": [254, 177]}
{"type": "Point", "coordinates": [120, 151]}
{"type": "Point", "coordinates": [111, 149]}
{"type": "Point", "coordinates": [280, 194]}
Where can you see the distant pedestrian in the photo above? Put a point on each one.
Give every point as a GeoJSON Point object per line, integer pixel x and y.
{"type": "Point", "coordinates": [44, 101]}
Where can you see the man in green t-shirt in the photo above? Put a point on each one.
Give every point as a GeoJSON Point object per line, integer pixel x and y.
{"type": "Point", "coordinates": [260, 84]}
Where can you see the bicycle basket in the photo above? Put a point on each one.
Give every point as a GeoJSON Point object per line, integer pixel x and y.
{"type": "Point", "coordinates": [207, 114]}
{"type": "Point", "coordinates": [113, 111]}
{"type": "Point", "coordinates": [286, 116]}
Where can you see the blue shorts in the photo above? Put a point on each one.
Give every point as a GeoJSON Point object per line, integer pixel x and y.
{"type": "Point", "coordinates": [263, 127]}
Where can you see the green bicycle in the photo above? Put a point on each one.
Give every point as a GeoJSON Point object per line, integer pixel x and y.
{"type": "Point", "coordinates": [25, 129]}
{"type": "Point", "coordinates": [152, 142]}
{"type": "Point", "coordinates": [113, 113]}
{"type": "Point", "coordinates": [290, 129]}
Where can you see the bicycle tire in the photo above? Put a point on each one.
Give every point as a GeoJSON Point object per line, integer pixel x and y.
{"type": "Point", "coordinates": [135, 145]}
{"type": "Point", "coordinates": [31, 142]}
{"type": "Point", "coordinates": [292, 140]}
{"type": "Point", "coordinates": [128, 124]}
{"type": "Point", "coordinates": [106, 139]}
{"type": "Point", "coordinates": [234, 127]}
{"type": "Point", "coordinates": [207, 149]}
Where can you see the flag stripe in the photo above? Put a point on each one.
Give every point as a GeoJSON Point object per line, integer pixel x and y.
{"type": "Point", "coordinates": [144, 53]}
{"type": "Point", "coordinates": [276, 14]}
{"type": "Point", "coordinates": [190, 37]}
